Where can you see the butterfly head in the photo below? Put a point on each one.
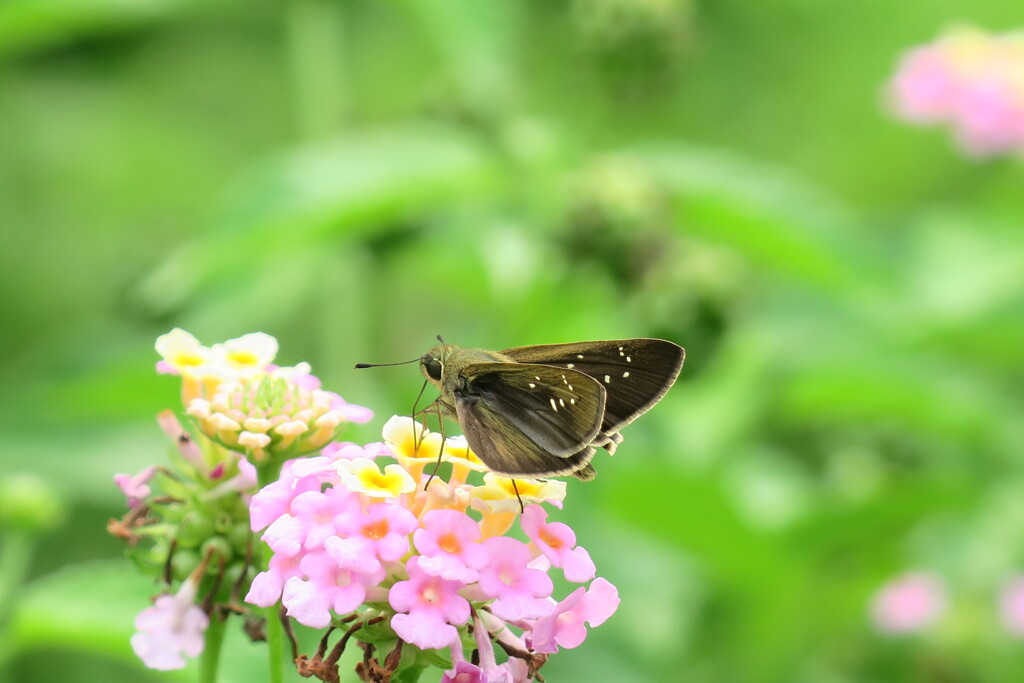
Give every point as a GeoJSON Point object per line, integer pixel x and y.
{"type": "Point", "coordinates": [433, 361]}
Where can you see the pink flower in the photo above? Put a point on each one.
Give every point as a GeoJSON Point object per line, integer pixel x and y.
{"type": "Point", "coordinates": [275, 499]}
{"type": "Point", "coordinates": [267, 586]}
{"type": "Point", "coordinates": [564, 627]}
{"type": "Point", "coordinates": [464, 672]}
{"type": "Point", "coordinates": [328, 587]}
{"type": "Point", "coordinates": [350, 412]}
{"type": "Point", "coordinates": [1011, 606]}
{"type": "Point", "coordinates": [517, 589]}
{"type": "Point", "coordinates": [909, 603]}
{"type": "Point", "coordinates": [350, 451]}
{"type": "Point", "coordinates": [317, 514]}
{"type": "Point", "coordinates": [557, 541]}
{"type": "Point", "coordinates": [971, 81]}
{"type": "Point", "coordinates": [448, 544]}
{"type": "Point", "coordinates": [378, 534]}
{"type": "Point", "coordinates": [925, 88]}
{"type": "Point", "coordinates": [170, 630]}
{"type": "Point", "coordinates": [428, 607]}
{"type": "Point", "coordinates": [135, 488]}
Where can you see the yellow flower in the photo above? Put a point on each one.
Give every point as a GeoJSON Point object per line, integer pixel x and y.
{"type": "Point", "coordinates": [182, 353]}
{"type": "Point", "coordinates": [499, 495]}
{"type": "Point", "coordinates": [362, 475]}
{"type": "Point", "coordinates": [245, 356]}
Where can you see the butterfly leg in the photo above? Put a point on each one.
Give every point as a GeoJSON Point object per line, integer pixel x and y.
{"type": "Point", "coordinates": [440, 450]}
{"type": "Point", "coordinates": [416, 436]}
{"type": "Point", "coordinates": [522, 508]}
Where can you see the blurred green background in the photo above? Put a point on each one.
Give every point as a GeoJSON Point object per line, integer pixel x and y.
{"type": "Point", "coordinates": [355, 177]}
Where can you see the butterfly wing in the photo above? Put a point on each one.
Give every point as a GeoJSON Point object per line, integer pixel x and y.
{"type": "Point", "coordinates": [635, 372]}
{"type": "Point", "coordinates": [526, 420]}
{"type": "Point", "coordinates": [510, 453]}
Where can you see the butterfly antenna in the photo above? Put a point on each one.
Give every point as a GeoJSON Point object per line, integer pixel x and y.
{"type": "Point", "coordinates": [440, 339]}
{"type": "Point", "coordinates": [440, 451]}
{"type": "Point", "coordinates": [515, 488]}
{"type": "Point", "coordinates": [360, 366]}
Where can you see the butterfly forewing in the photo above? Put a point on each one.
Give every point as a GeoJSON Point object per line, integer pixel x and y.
{"type": "Point", "coordinates": [558, 409]}
{"type": "Point", "coordinates": [636, 373]}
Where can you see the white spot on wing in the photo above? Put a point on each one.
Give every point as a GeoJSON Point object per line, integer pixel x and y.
{"type": "Point", "coordinates": [561, 402]}
{"type": "Point", "coordinates": [532, 385]}
{"type": "Point", "coordinates": [553, 406]}
{"type": "Point", "coordinates": [628, 359]}
{"type": "Point", "coordinates": [580, 356]}
{"type": "Point", "coordinates": [625, 374]}
{"type": "Point", "coordinates": [572, 401]}
{"type": "Point", "coordinates": [607, 379]}
{"type": "Point", "coordinates": [570, 366]}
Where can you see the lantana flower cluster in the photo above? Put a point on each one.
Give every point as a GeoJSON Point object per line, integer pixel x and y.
{"type": "Point", "coordinates": [366, 536]}
{"type": "Point", "coordinates": [971, 81]}
{"type": "Point", "coordinates": [188, 520]}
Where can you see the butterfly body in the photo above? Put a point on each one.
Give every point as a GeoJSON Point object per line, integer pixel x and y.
{"type": "Point", "coordinates": [538, 411]}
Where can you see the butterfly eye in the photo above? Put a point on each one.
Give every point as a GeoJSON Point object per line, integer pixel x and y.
{"type": "Point", "coordinates": [432, 366]}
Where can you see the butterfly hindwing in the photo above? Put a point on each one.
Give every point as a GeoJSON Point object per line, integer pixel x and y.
{"type": "Point", "coordinates": [636, 373]}
{"type": "Point", "coordinates": [507, 451]}
{"type": "Point", "coordinates": [558, 409]}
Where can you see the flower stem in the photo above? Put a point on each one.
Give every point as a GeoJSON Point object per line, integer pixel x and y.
{"type": "Point", "coordinates": [210, 659]}
{"type": "Point", "coordinates": [15, 555]}
{"type": "Point", "coordinates": [268, 473]}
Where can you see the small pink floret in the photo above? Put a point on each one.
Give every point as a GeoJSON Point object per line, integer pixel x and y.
{"type": "Point", "coordinates": [909, 603]}
{"type": "Point", "coordinates": [169, 631]}
{"type": "Point", "coordinates": [518, 590]}
{"type": "Point", "coordinates": [429, 608]}
{"type": "Point", "coordinates": [566, 625]}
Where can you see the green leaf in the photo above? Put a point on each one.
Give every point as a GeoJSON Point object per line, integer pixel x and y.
{"type": "Point", "coordinates": [344, 187]}
{"type": "Point", "coordinates": [775, 221]}
{"type": "Point", "coordinates": [89, 607]}
{"type": "Point", "coordinates": [27, 25]}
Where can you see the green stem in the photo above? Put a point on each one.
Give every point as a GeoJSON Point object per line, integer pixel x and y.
{"type": "Point", "coordinates": [268, 473]}
{"type": "Point", "coordinates": [210, 659]}
{"type": "Point", "coordinates": [15, 556]}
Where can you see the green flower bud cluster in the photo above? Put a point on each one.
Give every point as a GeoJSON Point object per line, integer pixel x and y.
{"type": "Point", "coordinates": [194, 513]}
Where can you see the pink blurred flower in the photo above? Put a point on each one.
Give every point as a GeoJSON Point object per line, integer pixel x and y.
{"type": "Point", "coordinates": [428, 608]}
{"type": "Point", "coordinates": [909, 603]}
{"type": "Point", "coordinates": [170, 630]}
{"type": "Point", "coordinates": [970, 80]}
{"type": "Point", "coordinates": [565, 626]}
{"type": "Point", "coordinates": [1011, 606]}
{"type": "Point", "coordinates": [135, 487]}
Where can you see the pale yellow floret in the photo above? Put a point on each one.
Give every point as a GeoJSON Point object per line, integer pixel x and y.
{"type": "Point", "coordinates": [223, 423]}
{"type": "Point", "coordinates": [253, 440]}
{"type": "Point", "coordinates": [199, 408]}
{"type": "Point", "coordinates": [401, 433]}
{"type": "Point", "coordinates": [257, 424]}
{"type": "Point", "coordinates": [250, 352]}
{"type": "Point", "coordinates": [292, 428]}
{"type": "Point", "coordinates": [498, 494]}
{"type": "Point", "coordinates": [362, 475]}
{"type": "Point", "coordinates": [182, 351]}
